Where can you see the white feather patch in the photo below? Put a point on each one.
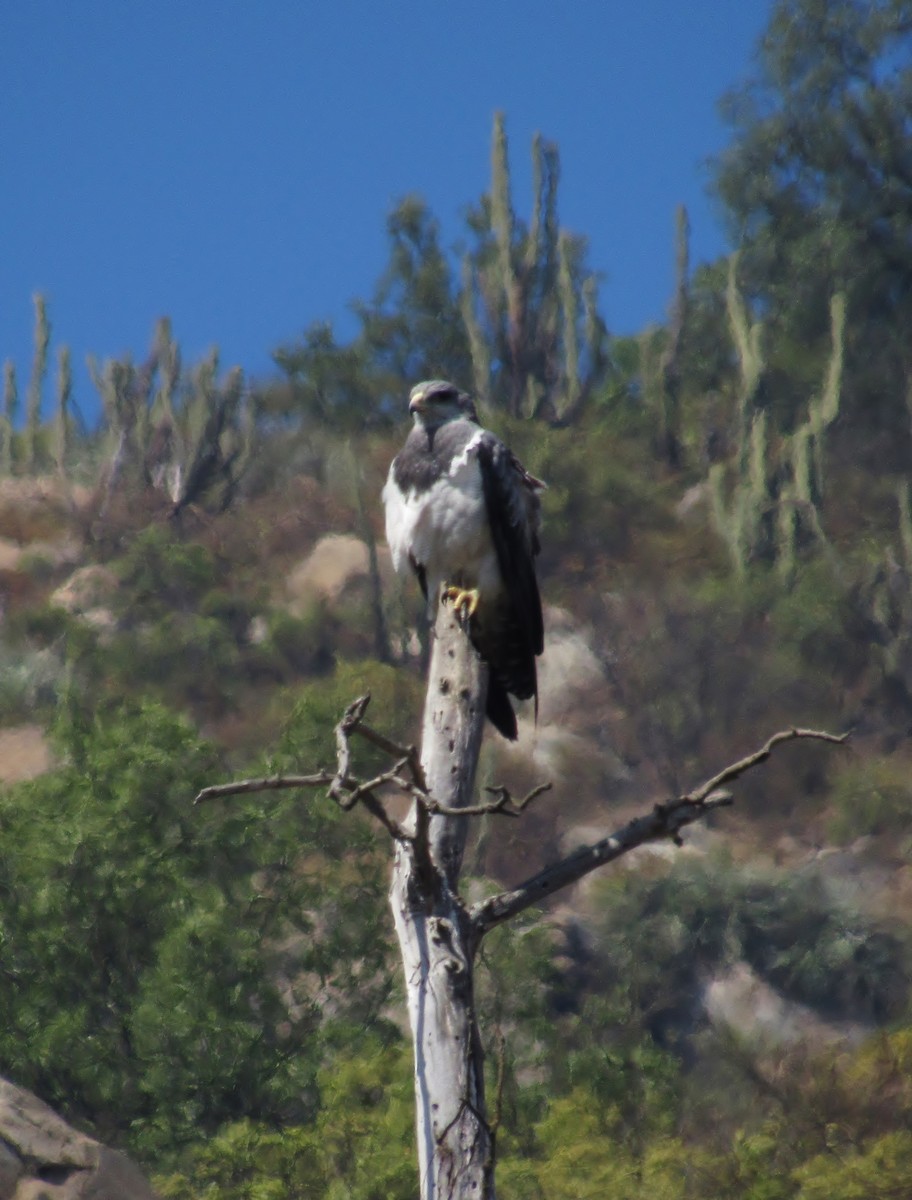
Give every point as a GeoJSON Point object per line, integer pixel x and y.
{"type": "Point", "coordinates": [445, 528]}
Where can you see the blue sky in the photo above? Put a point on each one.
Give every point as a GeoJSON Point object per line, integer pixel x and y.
{"type": "Point", "coordinates": [231, 163]}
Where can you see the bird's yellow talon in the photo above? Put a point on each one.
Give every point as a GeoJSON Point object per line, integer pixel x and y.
{"type": "Point", "coordinates": [464, 600]}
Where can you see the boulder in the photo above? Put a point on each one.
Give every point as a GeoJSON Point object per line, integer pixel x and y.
{"type": "Point", "coordinates": [24, 754]}
{"type": "Point", "coordinates": [336, 564]}
{"type": "Point", "coordinates": [738, 999]}
{"type": "Point", "coordinates": [44, 1158]}
{"type": "Point", "coordinates": [86, 595]}
{"type": "Point", "coordinates": [86, 589]}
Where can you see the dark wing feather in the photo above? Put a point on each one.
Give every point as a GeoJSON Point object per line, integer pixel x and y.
{"type": "Point", "coordinates": [515, 634]}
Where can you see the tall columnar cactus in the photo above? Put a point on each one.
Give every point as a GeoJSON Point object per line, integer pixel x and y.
{"type": "Point", "coordinates": [36, 383]}
{"type": "Point", "coordinates": [570, 313]}
{"type": "Point", "coordinates": [742, 518]}
{"type": "Point", "coordinates": [509, 278]}
{"type": "Point", "coordinates": [772, 502]}
{"type": "Point", "coordinates": [660, 356]}
{"type": "Point", "coordinates": [884, 599]}
{"type": "Point", "coordinates": [479, 347]}
{"type": "Point", "coordinates": [802, 455]}
{"type": "Point", "coordinates": [670, 439]}
{"type": "Point", "coordinates": [530, 311]}
{"type": "Point", "coordinates": [167, 361]}
{"type": "Point", "coordinates": [62, 414]}
{"type": "Point", "coordinates": [190, 437]}
{"type": "Point", "coordinates": [8, 416]}
{"type": "Point", "coordinates": [747, 334]}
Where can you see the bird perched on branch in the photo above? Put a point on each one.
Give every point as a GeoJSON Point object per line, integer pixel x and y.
{"type": "Point", "coordinates": [463, 513]}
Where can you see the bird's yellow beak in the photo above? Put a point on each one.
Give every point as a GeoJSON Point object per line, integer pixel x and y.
{"type": "Point", "coordinates": [417, 402]}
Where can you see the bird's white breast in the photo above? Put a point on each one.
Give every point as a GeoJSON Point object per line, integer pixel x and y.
{"type": "Point", "coordinates": [444, 528]}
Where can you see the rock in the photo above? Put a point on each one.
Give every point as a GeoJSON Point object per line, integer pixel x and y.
{"type": "Point", "coordinates": [336, 563]}
{"type": "Point", "coordinates": [569, 671]}
{"type": "Point", "coordinates": [44, 1158]}
{"type": "Point", "coordinates": [571, 738]}
{"type": "Point", "coordinates": [692, 501]}
{"type": "Point", "coordinates": [24, 753]}
{"type": "Point", "coordinates": [60, 552]}
{"type": "Point", "coordinates": [740, 1000]}
{"type": "Point", "coordinates": [39, 509]}
{"type": "Point", "coordinates": [86, 593]}
{"type": "Point", "coordinates": [10, 554]}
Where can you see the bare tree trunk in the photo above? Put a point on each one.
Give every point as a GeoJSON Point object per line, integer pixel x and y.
{"type": "Point", "coordinates": [455, 1153]}
{"type": "Point", "coordinates": [438, 935]}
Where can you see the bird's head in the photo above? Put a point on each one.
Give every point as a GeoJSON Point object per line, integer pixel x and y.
{"type": "Point", "coordinates": [434, 402]}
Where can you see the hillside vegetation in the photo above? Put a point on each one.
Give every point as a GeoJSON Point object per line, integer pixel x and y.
{"type": "Point", "coordinates": [196, 587]}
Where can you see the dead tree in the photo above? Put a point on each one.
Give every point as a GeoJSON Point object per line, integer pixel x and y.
{"type": "Point", "coordinates": [439, 933]}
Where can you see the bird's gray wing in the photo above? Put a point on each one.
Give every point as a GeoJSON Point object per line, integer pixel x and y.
{"type": "Point", "coordinates": [512, 508]}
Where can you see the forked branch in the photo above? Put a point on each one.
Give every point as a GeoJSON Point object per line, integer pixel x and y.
{"type": "Point", "coordinates": [406, 775]}
{"type": "Point", "coordinates": [665, 821]}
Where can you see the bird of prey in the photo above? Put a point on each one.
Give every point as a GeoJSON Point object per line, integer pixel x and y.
{"type": "Point", "coordinates": [463, 513]}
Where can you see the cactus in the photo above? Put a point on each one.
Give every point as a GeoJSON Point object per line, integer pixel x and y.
{"type": "Point", "coordinates": [8, 416]}
{"type": "Point", "coordinates": [62, 415]}
{"type": "Point", "coordinates": [884, 599]}
{"type": "Point", "coordinates": [570, 313]}
{"type": "Point", "coordinates": [669, 431]}
{"type": "Point", "coordinates": [478, 344]}
{"type": "Point", "coordinates": [748, 338]}
{"type": "Point", "coordinates": [167, 360]}
{"type": "Point", "coordinates": [802, 454]}
{"type": "Point", "coordinates": [190, 439]}
{"type": "Point", "coordinates": [773, 502]}
{"type": "Point", "coordinates": [36, 383]}
{"type": "Point", "coordinates": [535, 336]}
{"type": "Point", "coordinates": [743, 521]}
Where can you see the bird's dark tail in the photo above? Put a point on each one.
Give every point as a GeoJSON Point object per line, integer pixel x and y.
{"type": "Point", "coordinates": [499, 710]}
{"type": "Point", "coordinates": [502, 643]}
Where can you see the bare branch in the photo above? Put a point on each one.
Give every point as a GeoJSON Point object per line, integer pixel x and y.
{"type": "Point", "coordinates": [761, 755]}
{"type": "Point", "coordinates": [269, 783]}
{"type": "Point", "coordinates": [350, 720]}
{"type": "Point", "coordinates": [362, 789]}
{"type": "Point", "coordinates": [518, 805]}
{"type": "Point", "coordinates": [351, 792]}
{"type": "Point", "coordinates": [504, 804]}
{"type": "Point", "coordinates": [346, 790]}
{"type": "Point", "coordinates": [376, 810]}
{"type": "Point", "coordinates": [393, 749]}
{"type": "Point", "coordinates": [665, 821]}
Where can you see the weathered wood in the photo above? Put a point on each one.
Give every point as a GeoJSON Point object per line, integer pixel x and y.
{"type": "Point", "coordinates": [454, 716]}
{"type": "Point", "coordinates": [435, 936]}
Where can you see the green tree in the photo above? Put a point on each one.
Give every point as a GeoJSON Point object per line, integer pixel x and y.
{"type": "Point", "coordinates": [358, 1148]}
{"type": "Point", "coordinates": [412, 329]}
{"type": "Point", "coordinates": [330, 386]}
{"type": "Point", "coordinates": [817, 182]}
{"type": "Point", "coordinates": [170, 968]}
{"type": "Point", "coordinates": [880, 1171]}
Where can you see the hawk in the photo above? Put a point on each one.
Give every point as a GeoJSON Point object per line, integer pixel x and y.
{"type": "Point", "coordinates": [464, 514]}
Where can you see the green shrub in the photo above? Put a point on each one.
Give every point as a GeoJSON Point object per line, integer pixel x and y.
{"type": "Point", "coordinates": [301, 645]}
{"type": "Point", "coordinates": [360, 1146]}
{"type": "Point", "coordinates": [160, 574]}
{"type": "Point", "coordinates": [872, 796]}
{"type": "Point", "coordinates": [790, 927]}
{"type": "Point", "coordinates": [168, 968]}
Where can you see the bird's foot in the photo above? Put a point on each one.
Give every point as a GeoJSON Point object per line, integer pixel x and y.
{"type": "Point", "coordinates": [464, 601]}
